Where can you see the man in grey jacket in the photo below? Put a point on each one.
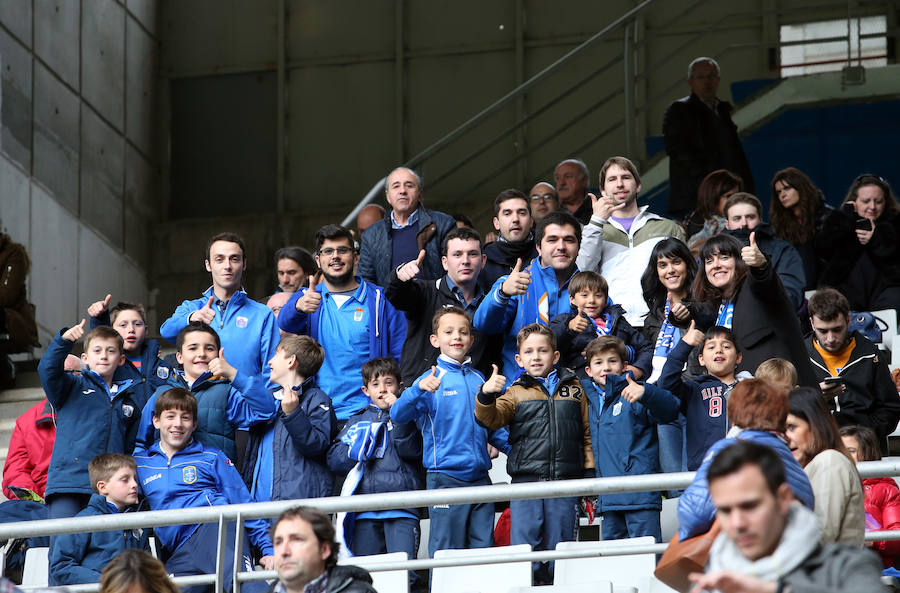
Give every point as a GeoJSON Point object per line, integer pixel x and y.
{"type": "Point", "coordinates": [770, 544]}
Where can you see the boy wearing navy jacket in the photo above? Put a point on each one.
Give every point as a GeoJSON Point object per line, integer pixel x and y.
{"type": "Point", "coordinates": [703, 401]}
{"type": "Point", "coordinates": [379, 456]}
{"type": "Point", "coordinates": [94, 414]}
{"type": "Point", "coordinates": [455, 451]}
{"type": "Point", "coordinates": [593, 314]}
{"type": "Point", "coordinates": [178, 472]}
{"type": "Point", "coordinates": [228, 399]}
{"type": "Point", "coordinates": [624, 415]}
{"type": "Point", "coordinates": [142, 362]}
{"type": "Point", "coordinates": [286, 456]}
{"type": "Point", "coordinates": [549, 435]}
{"type": "Point", "coordinates": [80, 557]}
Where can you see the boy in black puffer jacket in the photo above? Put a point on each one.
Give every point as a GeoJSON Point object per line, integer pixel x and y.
{"type": "Point", "coordinates": [594, 315]}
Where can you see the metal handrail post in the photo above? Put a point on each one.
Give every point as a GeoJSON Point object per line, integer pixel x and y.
{"type": "Point", "coordinates": [220, 554]}
{"type": "Point", "coordinates": [238, 552]}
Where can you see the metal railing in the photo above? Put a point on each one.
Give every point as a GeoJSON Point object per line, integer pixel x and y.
{"type": "Point", "coordinates": [369, 502]}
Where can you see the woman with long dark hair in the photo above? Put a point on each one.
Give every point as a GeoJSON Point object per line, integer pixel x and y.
{"type": "Point", "coordinates": [797, 212]}
{"type": "Point", "coordinates": [739, 290]}
{"type": "Point", "coordinates": [861, 243]}
{"type": "Point", "coordinates": [665, 283]}
{"type": "Point", "coordinates": [816, 443]}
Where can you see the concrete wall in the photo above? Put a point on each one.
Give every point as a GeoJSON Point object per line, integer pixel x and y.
{"type": "Point", "coordinates": [78, 170]}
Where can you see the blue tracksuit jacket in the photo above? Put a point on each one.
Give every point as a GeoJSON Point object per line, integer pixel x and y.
{"type": "Point", "coordinates": [624, 437]}
{"type": "Point", "coordinates": [222, 407]}
{"type": "Point", "coordinates": [386, 333]}
{"type": "Point", "coordinates": [88, 421]}
{"type": "Point", "coordinates": [497, 314]}
{"type": "Point", "coordinates": [696, 511]}
{"type": "Point", "coordinates": [291, 449]}
{"type": "Point", "coordinates": [247, 330]}
{"type": "Point", "coordinates": [453, 442]}
{"type": "Point", "coordinates": [196, 476]}
{"type": "Point", "coordinates": [80, 557]}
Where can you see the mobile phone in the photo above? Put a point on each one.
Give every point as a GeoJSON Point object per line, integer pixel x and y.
{"type": "Point", "coordinates": [833, 380]}
{"type": "Point", "coordinates": [863, 224]}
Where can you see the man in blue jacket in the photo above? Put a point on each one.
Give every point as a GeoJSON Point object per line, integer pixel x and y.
{"type": "Point", "coordinates": [247, 328]}
{"type": "Point", "coordinates": [535, 293]}
{"type": "Point", "coordinates": [348, 316]}
{"type": "Point", "coordinates": [404, 231]}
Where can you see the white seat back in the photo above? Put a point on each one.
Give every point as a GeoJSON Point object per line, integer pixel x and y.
{"type": "Point", "coordinates": [383, 580]}
{"type": "Point", "coordinates": [634, 570]}
{"type": "Point", "coordinates": [36, 572]}
{"type": "Point", "coordinates": [487, 578]}
{"type": "Point", "coordinates": [889, 316]}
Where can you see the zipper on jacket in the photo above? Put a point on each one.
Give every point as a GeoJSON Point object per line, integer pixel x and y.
{"type": "Point", "coordinates": [553, 431]}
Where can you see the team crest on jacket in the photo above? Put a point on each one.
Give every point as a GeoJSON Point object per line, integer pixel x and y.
{"type": "Point", "coordinates": [189, 474]}
{"type": "Point", "coordinates": [162, 372]}
{"type": "Point", "coordinates": [241, 321]}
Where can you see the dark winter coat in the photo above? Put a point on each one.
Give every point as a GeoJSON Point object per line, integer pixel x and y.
{"type": "Point", "coordinates": [571, 345]}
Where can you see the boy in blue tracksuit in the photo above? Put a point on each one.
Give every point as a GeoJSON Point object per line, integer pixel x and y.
{"type": "Point", "coordinates": [547, 413]}
{"type": "Point", "coordinates": [593, 314]}
{"type": "Point", "coordinates": [142, 361]}
{"type": "Point", "coordinates": [80, 557]}
{"type": "Point", "coordinates": [227, 398]}
{"type": "Point", "coordinates": [455, 452]}
{"type": "Point", "coordinates": [94, 414]}
{"type": "Point", "coordinates": [379, 456]}
{"type": "Point", "coordinates": [178, 472]}
{"type": "Point", "coordinates": [286, 455]}
{"type": "Point", "coordinates": [349, 316]}
{"type": "Point", "coordinates": [704, 400]}
{"type": "Point", "coordinates": [624, 416]}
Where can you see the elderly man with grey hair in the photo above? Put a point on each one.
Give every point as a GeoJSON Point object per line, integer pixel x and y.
{"type": "Point", "coordinates": [404, 232]}
{"type": "Point", "coordinates": [571, 176]}
{"type": "Point", "coordinates": [701, 138]}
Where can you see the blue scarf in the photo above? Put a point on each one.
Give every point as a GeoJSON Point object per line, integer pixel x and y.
{"type": "Point", "coordinates": [726, 314]}
{"type": "Point", "coordinates": [668, 335]}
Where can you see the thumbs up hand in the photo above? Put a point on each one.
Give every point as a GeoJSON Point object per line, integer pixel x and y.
{"type": "Point", "coordinates": [633, 391]}
{"type": "Point", "coordinates": [430, 382]}
{"type": "Point", "coordinates": [205, 315]}
{"type": "Point", "coordinates": [311, 299]}
{"type": "Point", "coordinates": [751, 254]}
{"type": "Point", "coordinates": [693, 336]}
{"type": "Point", "coordinates": [74, 333]}
{"type": "Point", "coordinates": [517, 282]}
{"type": "Point", "coordinates": [411, 269]}
{"type": "Point", "coordinates": [579, 323]}
{"type": "Point", "coordinates": [495, 383]}
{"type": "Point", "coordinates": [220, 367]}
{"type": "Point", "coordinates": [100, 307]}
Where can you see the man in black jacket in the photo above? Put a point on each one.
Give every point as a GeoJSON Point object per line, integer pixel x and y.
{"type": "Point", "coordinates": [853, 374]}
{"type": "Point", "coordinates": [700, 138]}
{"type": "Point", "coordinates": [420, 299]}
{"type": "Point", "coordinates": [513, 220]}
{"type": "Point", "coordinates": [306, 555]}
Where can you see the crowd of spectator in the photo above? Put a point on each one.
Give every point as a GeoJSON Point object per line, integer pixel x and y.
{"type": "Point", "coordinates": [591, 337]}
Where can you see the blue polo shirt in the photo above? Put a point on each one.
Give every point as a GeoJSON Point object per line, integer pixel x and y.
{"type": "Point", "coordinates": [344, 333]}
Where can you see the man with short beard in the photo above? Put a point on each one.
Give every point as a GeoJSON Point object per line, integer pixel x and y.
{"type": "Point", "coordinates": [349, 317]}
{"type": "Point", "coordinates": [512, 219]}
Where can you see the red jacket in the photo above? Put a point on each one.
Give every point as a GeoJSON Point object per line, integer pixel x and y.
{"type": "Point", "coordinates": [883, 504]}
{"type": "Point", "coordinates": [29, 450]}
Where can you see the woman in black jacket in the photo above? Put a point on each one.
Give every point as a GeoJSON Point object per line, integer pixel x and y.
{"type": "Point", "coordinates": [861, 243]}
{"type": "Point", "coordinates": [798, 211]}
{"type": "Point", "coordinates": [737, 288]}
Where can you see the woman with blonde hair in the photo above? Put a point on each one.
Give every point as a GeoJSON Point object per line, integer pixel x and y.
{"type": "Point", "coordinates": [136, 571]}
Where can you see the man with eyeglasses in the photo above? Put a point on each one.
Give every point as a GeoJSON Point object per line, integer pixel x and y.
{"type": "Point", "coordinates": [403, 232]}
{"type": "Point", "coordinates": [246, 327]}
{"type": "Point", "coordinates": [348, 316]}
{"type": "Point", "coordinates": [700, 138]}
{"type": "Point", "coordinates": [543, 200]}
